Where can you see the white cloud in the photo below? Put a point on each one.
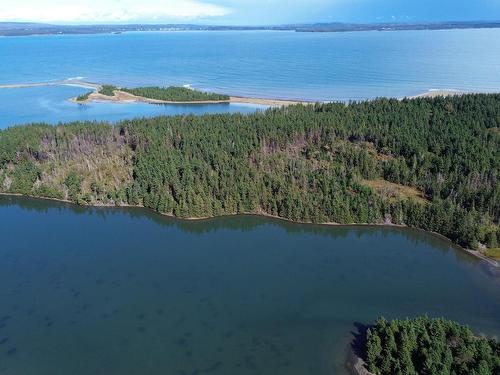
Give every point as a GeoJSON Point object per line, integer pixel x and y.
{"type": "Point", "coordinates": [101, 11]}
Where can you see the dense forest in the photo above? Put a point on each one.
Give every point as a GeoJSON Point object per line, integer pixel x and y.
{"type": "Point", "coordinates": [431, 163]}
{"type": "Point", "coordinates": [431, 347]}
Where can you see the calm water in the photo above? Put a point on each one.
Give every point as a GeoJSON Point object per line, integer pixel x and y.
{"type": "Point", "coordinates": [124, 291]}
{"type": "Point", "coordinates": [314, 66]}
{"type": "Point", "coordinates": [319, 66]}
{"type": "Point", "coordinates": [51, 105]}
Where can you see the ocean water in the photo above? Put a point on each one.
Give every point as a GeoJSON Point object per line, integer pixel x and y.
{"type": "Point", "coordinates": [124, 291]}
{"type": "Point", "coordinates": [51, 105]}
{"type": "Point", "coordinates": [316, 66]}
{"type": "Point", "coordinates": [289, 65]}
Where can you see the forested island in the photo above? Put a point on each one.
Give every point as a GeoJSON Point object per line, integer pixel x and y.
{"type": "Point", "coordinates": [429, 163]}
{"type": "Point", "coordinates": [429, 346]}
{"type": "Point", "coordinates": [162, 94]}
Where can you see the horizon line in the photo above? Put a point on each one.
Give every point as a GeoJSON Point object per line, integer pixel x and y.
{"type": "Point", "coordinates": [147, 23]}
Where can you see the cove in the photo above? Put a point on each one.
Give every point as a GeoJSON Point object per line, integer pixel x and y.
{"type": "Point", "coordinates": [51, 104]}
{"type": "Point", "coordinates": [126, 291]}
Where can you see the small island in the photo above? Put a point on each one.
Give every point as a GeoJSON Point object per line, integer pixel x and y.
{"type": "Point", "coordinates": [169, 95]}
{"type": "Point", "coordinates": [426, 346]}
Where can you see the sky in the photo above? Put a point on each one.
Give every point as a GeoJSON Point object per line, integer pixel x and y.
{"type": "Point", "coordinates": [245, 12]}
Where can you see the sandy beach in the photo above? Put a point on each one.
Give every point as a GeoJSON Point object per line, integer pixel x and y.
{"type": "Point", "coordinates": [437, 93]}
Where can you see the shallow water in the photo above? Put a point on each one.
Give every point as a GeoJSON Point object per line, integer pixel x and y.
{"type": "Point", "coordinates": [318, 66]}
{"type": "Point", "coordinates": [312, 66]}
{"type": "Point", "coordinates": [125, 291]}
{"type": "Point", "coordinates": [51, 105]}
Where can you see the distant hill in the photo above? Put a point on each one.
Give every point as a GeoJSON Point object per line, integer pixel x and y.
{"type": "Point", "coordinates": [23, 28]}
{"type": "Point", "coordinates": [339, 27]}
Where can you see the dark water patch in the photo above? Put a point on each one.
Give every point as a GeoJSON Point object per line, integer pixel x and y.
{"type": "Point", "coordinates": [214, 367]}
{"type": "Point", "coordinates": [11, 352]}
{"type": "Point", "coordinates": [267, 297]}
{"type": "Point", "coordinates": [250, 362]}
{"type": "Point", "coordinates": [358, 345]}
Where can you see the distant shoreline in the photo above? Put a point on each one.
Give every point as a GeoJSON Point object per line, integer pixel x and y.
{"type": "Point", "coordinates": [8, 29]}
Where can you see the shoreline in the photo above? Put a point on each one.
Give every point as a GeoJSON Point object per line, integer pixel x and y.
{"type": "Point", "coordinates": [434, 93]}
{"type": "Point", "coordinates": [492, 262]}
{"type": "Point", "coordinates": [124, 97]}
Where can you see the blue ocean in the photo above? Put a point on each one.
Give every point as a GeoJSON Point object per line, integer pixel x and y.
{"type": "Point", "coordinates": [268, 64]}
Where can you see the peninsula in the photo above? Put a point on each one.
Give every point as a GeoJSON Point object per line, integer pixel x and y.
{"type": "Point", "coordinates": [171, 95]}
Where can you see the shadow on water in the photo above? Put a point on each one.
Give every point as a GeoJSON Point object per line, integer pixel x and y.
{"type": "Point", "coordinates": [358, 345]}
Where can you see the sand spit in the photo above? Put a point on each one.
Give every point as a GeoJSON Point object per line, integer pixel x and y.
{"type": "Point", "coordinates": [439, 93]}
{"type": "Point", "coordinates": [125, 97]}
{"type": "Point", "coordinates": [66, 82]}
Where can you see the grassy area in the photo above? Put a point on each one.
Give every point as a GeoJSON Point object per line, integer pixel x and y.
{"type": "Point", "coordinates": [179, 94]}
{"type": "Point", "coordinates": [493, 253]}
{"type": "Point", "coordinates": [393, 191]}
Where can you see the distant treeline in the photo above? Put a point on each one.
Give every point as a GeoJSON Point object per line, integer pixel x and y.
{"type": "Point", "coordinates": [426, 163]}
{"type": "Point", "coordinates": [431, 347]}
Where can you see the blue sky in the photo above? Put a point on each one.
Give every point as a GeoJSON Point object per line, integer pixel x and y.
{"type": "Point", "coordinates": [246, 12]}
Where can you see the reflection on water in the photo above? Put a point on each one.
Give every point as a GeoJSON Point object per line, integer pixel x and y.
{"type": "Point", "coordinates": [244, 223]}
{"type": "Point", "coordinates": [115, 291]}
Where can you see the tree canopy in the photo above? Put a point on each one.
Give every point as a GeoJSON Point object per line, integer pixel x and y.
{"type": "Point", "coordinates": [425, 346]}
